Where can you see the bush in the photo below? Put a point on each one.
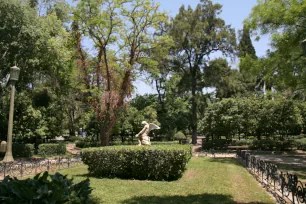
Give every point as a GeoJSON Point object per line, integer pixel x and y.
{"type": "Point", "coordinates": [270, 145]}
{"type": "Point", "coordinates": [86, 144]}
{"type": "Point", "coordinates": [163, 162]}
{"type": "Point", "coordinates": [22, 150]}
{"type": "Point", "coordinates": [301, 144]}
{"type": "Point", "coordinates": [119, 143]}
{"type": "Point", "coordinates": [242, 142]}
{"type": "Point", "coordinates": [51, 149]}
{"type": "Point", "coordinates": [179, 136]}
{"type": "Point", "coordinates": [215, 144]}
{"type": "Point", "coordinates": [42, 189]}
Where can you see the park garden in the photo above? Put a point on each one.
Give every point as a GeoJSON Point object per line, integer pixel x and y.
{"type": "Point", "coordinates": [229, 124]}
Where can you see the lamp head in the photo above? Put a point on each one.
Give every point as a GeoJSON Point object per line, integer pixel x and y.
{"type": "Point", "coordinates": [14, 74]}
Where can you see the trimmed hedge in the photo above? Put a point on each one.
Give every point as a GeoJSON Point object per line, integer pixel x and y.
{"type": "Point", "coordinates": [51, 149]}
{"type": "Point", "coordinates": [22, 150]}
{"type": "Point", "coordinates": [301, 144]}
{"type": "Point", "coordinates": [119, 143]}
{"type": "Point", "coordinates": [264, 145]}
{"type": "Point", "coordinates": [44, 188]}
{"type": "Point", "coordinates": [86, 144]}
{"type": "Point", "coordinates": [215, 144]}
{"type": "Point", "coordinates": [164, 162]}
{"type": "Point", "coordinates": [271, 145]}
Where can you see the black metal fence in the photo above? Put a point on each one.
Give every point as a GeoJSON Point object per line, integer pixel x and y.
{"type": "Point", "coordinates": [34, 166]}
{"type": "Point", "coordinates": [285, 187]}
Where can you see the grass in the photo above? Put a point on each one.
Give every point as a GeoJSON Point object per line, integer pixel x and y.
{"type": "Point", "coordinates": [205, 181]}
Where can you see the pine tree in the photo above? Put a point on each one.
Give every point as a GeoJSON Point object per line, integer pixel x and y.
{"type": "Point", "coordinates": [245, 45]}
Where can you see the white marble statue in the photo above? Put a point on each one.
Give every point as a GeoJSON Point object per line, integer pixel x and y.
{"type": "Point", "coordinates": [143, 135]}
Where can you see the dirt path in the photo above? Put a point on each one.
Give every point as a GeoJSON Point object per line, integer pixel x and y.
{"type": "Point", "coordinates": [72, 148]}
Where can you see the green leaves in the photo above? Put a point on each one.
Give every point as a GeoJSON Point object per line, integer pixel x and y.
{"type": "Point", "coordinates": [253, 116]}
{"type": "Point", "coordinates": [285, 22]}
{"type": "Point", "coordinates": [44, 188]}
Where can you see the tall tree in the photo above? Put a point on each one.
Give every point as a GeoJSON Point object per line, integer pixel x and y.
{"type": "Point", "coordinates": [247, 53]}
{"type": "Point", "coordinates": [122, 33]}
{"type": "Point", "coordinates": [197, 34]}
{"type": "Point", "coordinates": [286, 22]}
{"type": "Point", "coordinates": [245, 46]}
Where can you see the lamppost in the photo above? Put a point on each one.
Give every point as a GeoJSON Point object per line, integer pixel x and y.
{"type": "Point", "coordinates": [14, 76]}
{"type": "Point", "coordinates": [304, 47]}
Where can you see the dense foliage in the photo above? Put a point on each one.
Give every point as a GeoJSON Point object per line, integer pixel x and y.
{"type": "Point", "coordinates": [52, 149]}
{"type": "Point", "coordinates": [44, 188]}
{"type": "Point", "coordinates": [66, 85]}
{"type": "Point", "coordinates": [23, 150]}
{"type": "Point", "coordinates": [301, 144]}
{"type": "Point", "coordinates": [164, 162]}
{"type": "Point", "coordinates": [253, 116]}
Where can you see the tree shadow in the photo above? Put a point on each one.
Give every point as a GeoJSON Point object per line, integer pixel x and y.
{"type": "Point", "coordinates": [226, 161]}
{"type": "Point", "coordinates": [196, 199]}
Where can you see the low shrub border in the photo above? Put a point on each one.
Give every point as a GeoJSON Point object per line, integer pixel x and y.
{"type": "Point", "coordinates": [51, 149]}
{"type": "Point", "coordinates": [22, 150]}
{"type": "Point", "coordinates": [163, 162]}
{"type": "Point", "coordinates": [44, 188]}
{"type": "Point", "coordinates": [264, 145]}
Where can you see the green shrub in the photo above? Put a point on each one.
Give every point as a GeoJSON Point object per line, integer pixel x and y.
{"type": "Point", "coordinates": [86, 144]}
{"type": "Point", "coordinates": [215, 144]}
{"type": "Point", "coordinates": [270, 145]}
{"type": "Point", "coordinates": [163, 162]}
{"type": "Point", "coordinates": [44, 189]}
{"type": "Point", "coordinates": [241, 142]}
{"type": "Point", "coordinates": [22, 150]}
{"type": "Point", "coordinates": [52, 149]}
{"type": "Point", "coordinates": [179, 136]}
{"type": "Point", "coordinates": [301, 144]}
{"type": "Point", "coordinates": [164, 143]}
{"type": "Point", "coordinates": [119, 143]}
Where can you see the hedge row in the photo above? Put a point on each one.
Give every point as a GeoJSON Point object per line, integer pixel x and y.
{"type": "Point", "coordinates": [51, 149]}
{"type": "Point", "coordinates": [87, 144]}
{"type": "Point", "coordinates": [164, 162]}
{"type": "Point", "coordinates": [119, 143]}
{"type": "Point", "coordinates": [265, 145]}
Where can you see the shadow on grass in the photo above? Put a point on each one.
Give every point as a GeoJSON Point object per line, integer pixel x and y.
{"type": "Point", "coordinates": [225, 161]}
{"type": "Point", "coordinates": [87, 175]}
{"type": "Point", "coordinates": [202, 198]}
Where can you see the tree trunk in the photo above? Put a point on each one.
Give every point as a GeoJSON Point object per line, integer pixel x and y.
{"type": "Point", "coordinates": [104, 134]}
{"type": "Point", "coordinates": [72, 127]}
{"type": "Point", "coordinates": [194, 125]}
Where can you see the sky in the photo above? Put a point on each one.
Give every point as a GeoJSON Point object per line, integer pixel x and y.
{"type": "Point", "coordinates": [233, 12]}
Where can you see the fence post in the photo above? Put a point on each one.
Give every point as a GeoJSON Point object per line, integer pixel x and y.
{"type": "Point", "coordinates": [4, 170]}
{"type": "Point", "coordinates": [48, 167]}
{"type": "Point", "coordinates": [21, 169]}
{"type": "Point", "coordinates": [59, 162]}
{"type": "Point", "coordinates": [68, 162]}
{"type": "Point", "coordinates": [35, 164]}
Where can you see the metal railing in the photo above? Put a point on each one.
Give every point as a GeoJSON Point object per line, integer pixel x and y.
{"type": "Point", "coordinates": [285, 187]}
{"type": "Point", "coordinates": [33, 166]}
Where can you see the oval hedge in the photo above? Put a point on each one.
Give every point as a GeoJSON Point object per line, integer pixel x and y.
{"type": "Point", "coordinates": [51, 149]}
{"type": "Point", "coordinates": [163, 162]}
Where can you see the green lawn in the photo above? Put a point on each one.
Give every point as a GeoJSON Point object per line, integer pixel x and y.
{"type": "Point", "coordinates": [205, 181]}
